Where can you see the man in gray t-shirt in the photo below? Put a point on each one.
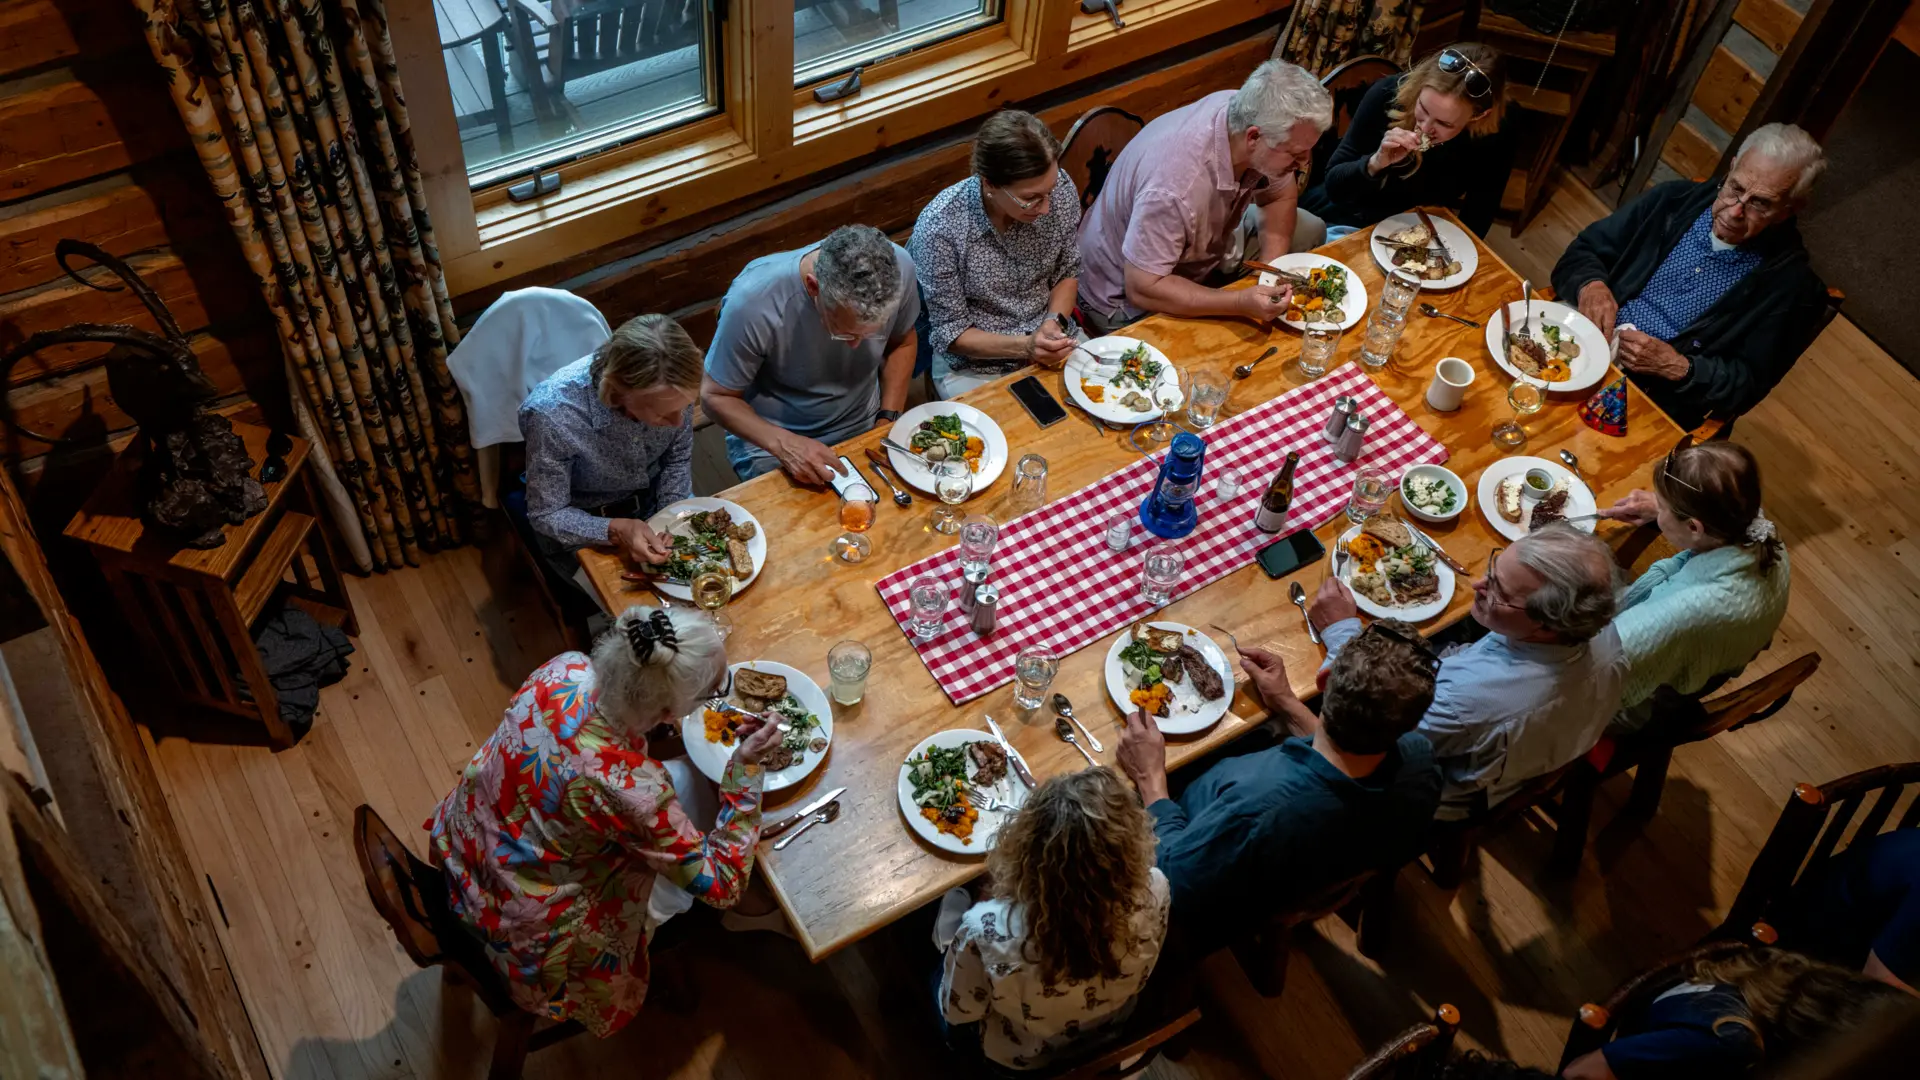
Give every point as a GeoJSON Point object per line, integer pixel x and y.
{"type": "Point", "coordinates": [814, 347]}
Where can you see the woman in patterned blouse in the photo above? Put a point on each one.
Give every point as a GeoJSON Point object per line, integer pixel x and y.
{"type": "Point", "coordinates": [1050, 964]}
{"type": "Point", "coordinates": [565, 844]}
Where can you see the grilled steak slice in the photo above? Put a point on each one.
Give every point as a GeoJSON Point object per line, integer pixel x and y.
{"type": "Point", "coordinates": [989, 762]}
{"type": "Point", "coordinates": [1206, 681]}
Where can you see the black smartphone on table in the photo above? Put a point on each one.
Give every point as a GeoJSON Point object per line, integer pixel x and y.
{"type": "Point", "coordinates": [1032, 395]}
{"type": "Point", "coordinates": [1290, 553]}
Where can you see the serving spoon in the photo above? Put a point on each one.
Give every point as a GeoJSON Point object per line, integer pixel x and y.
{"type": "Point", "coordinates": [1246, 369]}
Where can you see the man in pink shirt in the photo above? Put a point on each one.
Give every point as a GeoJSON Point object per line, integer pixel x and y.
{"type": "Point", "coordinates": [1171, 206]}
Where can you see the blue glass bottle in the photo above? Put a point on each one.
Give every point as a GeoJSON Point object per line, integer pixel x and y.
{"type": "Point", "coordinates": [1168, 510]}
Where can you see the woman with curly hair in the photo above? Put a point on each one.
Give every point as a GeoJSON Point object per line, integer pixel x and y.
{"type": "Point", "coordinates": [1051, 961]}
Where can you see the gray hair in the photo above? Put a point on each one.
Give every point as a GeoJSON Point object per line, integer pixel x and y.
{"type": "Point", "coordinates": [1789, 147]}
{"type": "Point", "coordinates": [647, 350]}
{"type": "Point", "coordinates": [858, 273]}
{"type": "Point", "coordinates": [1277, 96]}
{"type": "Point", "coordinates": [1575, 598]}
{"type": "Point", "coordinates": [670, 679]}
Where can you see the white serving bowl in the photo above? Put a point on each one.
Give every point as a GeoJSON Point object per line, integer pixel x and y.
{"type": "Point", "coordinates": [1446, 477]}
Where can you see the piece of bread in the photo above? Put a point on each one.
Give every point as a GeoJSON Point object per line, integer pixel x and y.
{"type": "Point", "coordinates": [1390, 530]}
{"type": "Point", "coordinates": [744, 530]}
{"type": "Point", "coordinates": [1507, 496]}
{"type": "Point", "coordinates": [741, 560]}
{"type": "Point", "coordinates": [1160, 641]}
{"type": "Point", "coordinates": [758, 684]}
{"type": "Point", "coordinates": [1372, 586]}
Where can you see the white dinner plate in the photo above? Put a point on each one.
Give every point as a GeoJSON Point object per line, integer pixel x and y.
{"type": "Point", "coordinates": [673, 519]}
{"type": "Point", "coordinates": [1008, 790]}
{"type": "Point", "coordinates": [1458, 241]}
{"type": "Point", "coordinates": [1579, 497]}
{"type": "Point", "coordinates": [1410, 612]}
{"type": "Point", "coordinates": [711, 757]}
{"type": "Point", "coordinates": [1082, 371]}
{"type": "Point", "coordinates": [1588, 368]}
{"type": "Point", "coordinates": [974, 422]}
{"type": "Point", "coordinates": [1299, 262]}
{"type": "Point", "coordinates": [1187, 713]}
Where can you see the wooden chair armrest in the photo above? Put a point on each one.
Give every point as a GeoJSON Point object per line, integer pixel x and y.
{"type": "Point", "coordinates": [539, 12]}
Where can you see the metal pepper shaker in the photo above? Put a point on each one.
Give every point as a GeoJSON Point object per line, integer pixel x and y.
{"type": "Point", "coordinates": [986, 601]}
{"type": "Point", "coordinates": [971, 580]}
{"type": "Point", "coordinates": [1343, 408]}
{"type": "Point", "coordinates": [1353, 439]}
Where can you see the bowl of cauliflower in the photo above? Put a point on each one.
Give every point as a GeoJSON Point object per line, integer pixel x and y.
{"type": "Point", "coordinates": [1432, 493]}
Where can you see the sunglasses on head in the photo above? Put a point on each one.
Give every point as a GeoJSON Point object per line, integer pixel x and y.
{"type": "Point", "coordinates": [1476, 83]}
{"type": "Point", "coordinates": [1420, 644]}
{"type": "Point", "coordinates": [1666, 467]}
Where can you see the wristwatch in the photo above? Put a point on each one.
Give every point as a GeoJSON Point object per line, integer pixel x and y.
{"type": "Point", "coordinates": [888, 414]}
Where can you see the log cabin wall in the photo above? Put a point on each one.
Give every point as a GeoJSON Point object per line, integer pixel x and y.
{"type": "Point", "coordinates": [91, 148]}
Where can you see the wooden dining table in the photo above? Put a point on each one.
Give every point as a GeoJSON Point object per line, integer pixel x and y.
{"type": "Point", "coordinates": [844, 880]}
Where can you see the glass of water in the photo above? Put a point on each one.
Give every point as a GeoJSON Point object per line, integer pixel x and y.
{"type": "Point", "coordinates": [1033, 672]}
{"type": "Point", "coordinates": [978, 537]}
{"type": "Point", "coordinates": [1206, 394]}
{"type": "Point", "coordinates": [929, 599]}
{"type": "Point", "coordinates": [847, 667]}
{"type": "Point", "coordinates": [1383, 335]}
{"type": "Point", "coordinates": [1160, 570]}
{"type": "Point", "coordinates": [1400, 291]}
{"type": "Point", "coordinates": [1370, 493]}
{"type": "Point", "coordinates": [1226, 484]}
{"type": "Point", "coordinates": [1029, 484]}
{"type": "Point", "coordinates": [1317, 346]}
{"type": "Point", "coordinates": [953, 483]}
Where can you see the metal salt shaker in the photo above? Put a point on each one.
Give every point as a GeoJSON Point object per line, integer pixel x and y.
{"type": "Point", "coordinates": [986, 599]}
{"type": "Point", "coordinates": [971, 580]}
{"type": "Point", "coordinates": [1343, 407]}
{"type": "Point", "coordinates": [1352, 439]}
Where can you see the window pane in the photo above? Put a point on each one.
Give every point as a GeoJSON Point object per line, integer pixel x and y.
{"type": "Point", "coordinates": [539, 82]}
{"type": "Point", "coordinates": [831, 37]}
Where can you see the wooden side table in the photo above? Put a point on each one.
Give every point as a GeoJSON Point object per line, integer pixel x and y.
{"type": "Point", "coordinates": [195, 608]}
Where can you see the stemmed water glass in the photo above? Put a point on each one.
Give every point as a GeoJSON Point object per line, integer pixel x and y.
{"type": "Point", "coordinates": [857, 504]}
{"type": "Point", "coordinates": [712, 588]}
{"type": "Point", "coordinates": [1167, 395]}
{"type": "Point", "coordinates": [1526, 397]}
{"type": "Point", "coordinates": [953, 483]}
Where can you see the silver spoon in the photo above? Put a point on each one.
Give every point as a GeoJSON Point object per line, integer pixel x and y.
{"type": "Point", "coordinates": [879, 460]}
{"type": "Point", "coordinates": [1065, 708]}
{"type": "Point", "coordinates": [1433, 312]}
{"type": "Point", "coordinates": [827, 813]}
{"type": "Point", "coordinates": [1246, 369]}
{"type": "Point", "coordinates": [1065, 731]}
{"type": "Point", "coordinates": [1299, 597]}
{"type": "Point", "coordinates": [1573, 463]}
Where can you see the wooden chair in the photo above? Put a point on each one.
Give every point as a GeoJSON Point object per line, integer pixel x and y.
{"type": "Point", "coordinates": [1362, 901]}
{"type": "Point", "coordinates": [1092, 144]}
{"type": "Point", "coordinates": [1417, 1053]}
{"type": "Point", "coordinates": [603, 34]}
{"type": "Point", "coordinates": [1809, 834]}
{"type": "Point", "coordinates": [1348, 83]}
{"type": "Point", "coordinates": [1453, 842]}
{"type": "Point", "coordinates": [1157, 1028]}
{"type": "Point", "coordinates": [412, 897]}
{"type": "Point", "coordinates": [1594, 1025]}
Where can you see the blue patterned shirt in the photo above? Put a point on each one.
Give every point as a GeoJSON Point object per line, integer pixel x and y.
{"type": "Point", "coordinates": [580, 453]}
{"type": "Point", "coordinates": [1692, 278]}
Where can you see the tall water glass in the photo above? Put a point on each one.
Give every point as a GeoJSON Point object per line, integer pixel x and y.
{"type": "Point", "coordinates": [1400, 291]}
{"type": "Point", "coordinates": [978, 537]}
{"type": "Point", "coordinates": [1383, 335]}
{"type": "Point", "coordinates": [847, 667]}
{"type": "Point", "coordinates": [1317, 346]}
{"type": "Point", "coordinates": [1029, 484]}
{"type": "Point", "coordinates": [1160, 570]}
{"type": "Point", "coordinates": [1370, 493]}
{"type": "Point", "coordinates": [953, 483]}
{"type": "Point", "coordinates": [1207, 392]}
{"type": "Point", "coordinates": [928, 598]}
{"type": "Point", "coordinates": [1033, 672]}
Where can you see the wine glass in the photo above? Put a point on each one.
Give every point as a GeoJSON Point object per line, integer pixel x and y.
{"type": "Point", "coordinates": [1526, 397]}
{"type": "Point", "coordinates": [857, 504]}
{"type": "Point", "coordinates": [712, 588]}
{"type": "Point", "coordinates": [953, 483]}
{"type": "Point", "coordinates": [1167, 395]}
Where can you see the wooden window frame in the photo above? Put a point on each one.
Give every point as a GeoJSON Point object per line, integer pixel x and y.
{"type": "Point", "coordinates": [768, 132]}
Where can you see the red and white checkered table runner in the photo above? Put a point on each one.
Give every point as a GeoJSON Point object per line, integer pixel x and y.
{"type": "Point", "coordinates": [1060, 586]}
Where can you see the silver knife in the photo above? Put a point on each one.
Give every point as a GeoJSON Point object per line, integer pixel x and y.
{"type": "Point", "coordinates": [814, 807]}
{"type": "Point", "coordinates": [1452, 563]}
{"type": "Point", "coordinates": [1435, 231]}
{"type": "Point", "coordinates": [1019, 763]}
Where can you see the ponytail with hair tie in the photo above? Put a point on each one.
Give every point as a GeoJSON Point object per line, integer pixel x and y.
{"type": "Point", "coordinates": [644, 634]}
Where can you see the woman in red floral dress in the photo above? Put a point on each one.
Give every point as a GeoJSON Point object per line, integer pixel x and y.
{"type": "Point", "coordinates": [563, 835]}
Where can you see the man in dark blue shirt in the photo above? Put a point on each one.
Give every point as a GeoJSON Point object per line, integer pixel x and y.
{"type": "Point", "coordinates": [1353, 790]}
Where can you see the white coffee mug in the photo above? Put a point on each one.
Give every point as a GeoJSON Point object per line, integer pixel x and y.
{"type": "Point", "coordinates": [1451, 377]}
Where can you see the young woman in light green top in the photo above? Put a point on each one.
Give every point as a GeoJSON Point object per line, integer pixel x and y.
{"type": "Point", "coordinates": [1695, 618]}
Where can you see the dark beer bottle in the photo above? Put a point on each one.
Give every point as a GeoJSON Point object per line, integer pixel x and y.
{"type": "Point", "coordinates": [1272, 515]}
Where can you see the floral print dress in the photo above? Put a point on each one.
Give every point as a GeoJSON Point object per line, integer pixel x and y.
{"type": "Point", "coordinates": [554, 837]}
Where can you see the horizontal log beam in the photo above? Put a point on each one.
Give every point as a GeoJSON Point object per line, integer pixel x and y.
{"type": "Point", "coordinates": [38, 33]}
{"type": "Point", "coordinates": [60, 128]}
{"type": "Point", "coordinates": [160, 203]}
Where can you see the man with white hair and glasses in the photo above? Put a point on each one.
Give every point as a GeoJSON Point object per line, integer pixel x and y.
{"type": "Point", "coordinates": [813, 347]}
{"type": "Point", "coordinates": [1708, 284]}
{"type": "Point", "coordinates": [1169, 211]}
{"type": "Point", "coordinates": [1539, 689]}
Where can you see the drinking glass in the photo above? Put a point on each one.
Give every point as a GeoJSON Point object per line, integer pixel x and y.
{"type": "Point", "coordinates": [1119, 532]}
{"type": "Point", "coordinates": [978, 537]}
{"type": "Point", "coordinates": [1317, 346]}
{"type": "Point", "coordinates": [1370, 493]}
{"type": "Point", "coordinates": [1166, 396]}
{"type": "Point", "coordinates": [1033, 672]}
{"type": "Point", "coordinates": [1206, 394]}
{"type": "Point", "coordinates": [1526, 398]}
{"type": "Point", "coordinates": [1226, 484]}
{"type": "Point", "coordinates": [1029, 484]}
{"type": "Point", "coordinates": [953, 483]}
{"type": "Point", "coordinates": [857, 504]}
{"type": "Point", "coordinates": [1383, 334]}
{"type": "Point", "coordinates": [711, 589]}
{"type": "Point", "coordinates": [847, 667]}
{"type": "Point", "coordinates": [1400, 291]}
{"type": "Point", "coordinates": [929, 599]}
{"type": "Point", "coordinates": [1160, 570]}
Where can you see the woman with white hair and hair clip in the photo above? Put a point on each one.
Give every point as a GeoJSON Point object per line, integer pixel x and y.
{"type": "Point", "coordinates": [566, 845]}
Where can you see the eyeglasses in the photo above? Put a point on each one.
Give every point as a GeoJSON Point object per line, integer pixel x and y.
{"type": "Point", "coordinates": [722, 688]}
{"type": "Point", "coordinates": [1494, 594]}
{"type": "Point", "coordinates": [844, 339]}
{"type": "Point", "coordinates": [1420, 644]}
{"type": "Point", "coordinates": [1477, 84]}
{"type": "Point", "coordinates": [1666, 467]}
{"type": "Point", "coordinates": [1736, 192]}
{"type": "Point", "coordinates": [1017, 201]}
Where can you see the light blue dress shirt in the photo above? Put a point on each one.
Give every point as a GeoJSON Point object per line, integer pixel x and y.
{"type": "Point", "coordinates": [1506, 711]}
{"type": "Point", "coordinates": [1695, 616]}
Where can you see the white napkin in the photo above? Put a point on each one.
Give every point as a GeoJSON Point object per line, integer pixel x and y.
{"type": "Point", "coordinates": [1613, 354]}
